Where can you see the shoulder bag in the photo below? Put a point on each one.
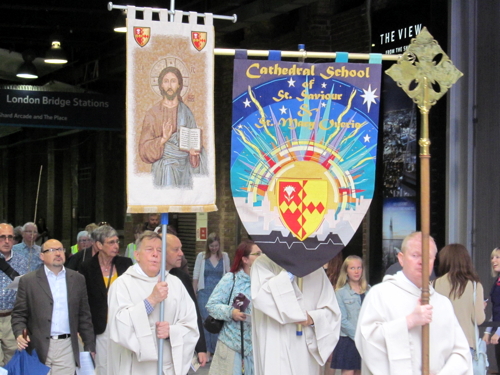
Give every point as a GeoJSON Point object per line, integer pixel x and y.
{"type": "Point", "coordinates": [213, 325]}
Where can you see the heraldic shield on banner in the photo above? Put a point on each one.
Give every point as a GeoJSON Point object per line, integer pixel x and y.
{"type": "Point", "coordinates": [199, 39]}
{"type": "Point", "coordinates": [142, 35]}
{"type": "Point", "coordinates": [302, 205]}
{"type": "Point", "coordinates": [304, 147]}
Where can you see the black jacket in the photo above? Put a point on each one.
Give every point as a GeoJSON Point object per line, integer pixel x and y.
{"type": "Point", "coordinates": [96, 289]}
{"type": "Point", "coordinates": [201, 346]}
{"type": "Point", "coordinates": [75, 261]}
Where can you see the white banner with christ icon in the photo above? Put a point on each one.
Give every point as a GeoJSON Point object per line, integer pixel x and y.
{"type": "Point", "coordinates": [170, 137]}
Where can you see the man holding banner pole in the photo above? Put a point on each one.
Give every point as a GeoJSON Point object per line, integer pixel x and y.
{"type": "Point", "coordinates": [278, 306]}
{"type": "Point", "coordinates": [137, 329]}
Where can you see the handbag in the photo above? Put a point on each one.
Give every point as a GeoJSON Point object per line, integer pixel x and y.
{"type": "Point", "coordinates": [479, 357]}
{"type": "Point", "coordinates": [213, 325]}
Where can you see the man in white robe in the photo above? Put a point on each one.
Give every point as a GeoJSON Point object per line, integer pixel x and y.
{"type": "Point", "coordinates": [278, 305]}
{"type": "Point", "coordinates": [389, 331]}
{"type": "Point", "coordinates": [134, 322]}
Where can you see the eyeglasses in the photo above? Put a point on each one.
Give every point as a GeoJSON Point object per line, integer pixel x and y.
{"type": "Point", "coordinates": [30, 232]}
{"type": "Point", "coordinates": [114, 242]}
{"type": "Point", "coordinates": [256, 254]}
{"type": "Point", "coordinates": [53, 250]}
{"type": "Point", "coordinates": [4, 237]}
{"type": "Point", "coordinates": [102, 223]}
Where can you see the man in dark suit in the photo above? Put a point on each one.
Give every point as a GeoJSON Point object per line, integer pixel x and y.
{"type": "Point", "coordinates": [172, 262]}
{"type": "Point", "coordinates": [52, 305]}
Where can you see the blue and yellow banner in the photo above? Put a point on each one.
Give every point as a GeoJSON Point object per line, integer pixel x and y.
{"type": "Point", "coordinates": [304, 145]}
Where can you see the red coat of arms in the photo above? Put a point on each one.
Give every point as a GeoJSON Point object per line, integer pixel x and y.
{"type": "Point", "coordinates": [302, 205]}
{"type": "Point", "coordinates": [199, 39]}
{"type": "Point", "coordinates": [142, 35]}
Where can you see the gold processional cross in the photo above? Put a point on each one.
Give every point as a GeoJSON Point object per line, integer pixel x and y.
{"type": "Point", "coordinates": [425, 73]}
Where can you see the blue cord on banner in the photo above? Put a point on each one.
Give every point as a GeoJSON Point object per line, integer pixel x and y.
{"type": "Point", "coordinates": [164, 219]}
{"type": "Point", "coordinates": [375, 58]}
{"type": "Point", "coordinates": [342, 57]}
{"type": "Point", "coordinates": [241, 54]}
{"type": "Point", "coordinates": [275, 55]}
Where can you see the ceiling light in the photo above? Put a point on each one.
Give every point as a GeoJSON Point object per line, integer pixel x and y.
{"type": "Point", "coordinates": [27, 69]}
{"type": "Point", "coordinates": [55, 55]}
{"type": "Point", "coordinates": [120, 25]}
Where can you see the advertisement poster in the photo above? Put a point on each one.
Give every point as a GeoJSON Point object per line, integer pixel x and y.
{"type": "Point", "coordinates": [400, 216]}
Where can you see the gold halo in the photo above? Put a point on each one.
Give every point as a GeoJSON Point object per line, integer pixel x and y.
{"type": "Point", "coordinates": [161, 64]}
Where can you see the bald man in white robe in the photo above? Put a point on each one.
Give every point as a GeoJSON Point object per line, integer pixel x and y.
{"type": "Point", "coordinates": [278, 305]}
{"type": "Point", "coordinates": [134, 322]}
{"type": "Point", "coordinates": [389, 330]}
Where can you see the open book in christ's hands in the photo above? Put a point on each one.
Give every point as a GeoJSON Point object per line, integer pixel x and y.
{"type": "Point", "coordinates": [189, 139]}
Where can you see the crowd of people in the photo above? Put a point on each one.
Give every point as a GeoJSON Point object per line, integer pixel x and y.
{"type": "Point", "coordinates": [93, 298]}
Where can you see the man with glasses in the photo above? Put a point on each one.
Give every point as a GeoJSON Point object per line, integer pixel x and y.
{"type": "Point", "coordinates": [389, 330]}
{"type": "Point", "coordinates": [11, 265]}
{"type": "Point", "coordinates": [28, 247]}
{"type": "Point", "coordinates": [83, 241]}
{"type": "Point", "coordinates": [76, 261]}
{"type": "Point", "coordinates": [52, 306]}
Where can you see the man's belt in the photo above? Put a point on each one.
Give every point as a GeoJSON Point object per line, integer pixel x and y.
{"type": "Point", "coordinates": [60, 337]}
{"type": "Point", "coordinates": [4, 314]}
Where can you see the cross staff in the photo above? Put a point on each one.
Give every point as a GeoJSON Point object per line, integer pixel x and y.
{"type": "Point", "coordinates": [425, 73]}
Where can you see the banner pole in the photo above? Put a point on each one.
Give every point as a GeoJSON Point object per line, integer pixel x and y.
{"type": "Point", "coordinates": [164, 223]}
{"type": "Point", "coordinates": [303, 54]}
{"type": "Point", "coordinates": [37, 193]}
{"type": "Point", "coordinates": [298, 332]}
{"type": "Point", "coordinates": [425, 211]}
{"type": "Point", "coordinates": [172, 10]}
{"type": "Point", "coordinates": [233, 18]}
{"type": "Point", "coordinates": [259, 53]}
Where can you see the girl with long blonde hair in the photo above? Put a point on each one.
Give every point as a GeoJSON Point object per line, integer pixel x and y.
{"type": "Point", "coordinates": [210, 266]}
{"type": "Point", "coordinates": [350, 291]}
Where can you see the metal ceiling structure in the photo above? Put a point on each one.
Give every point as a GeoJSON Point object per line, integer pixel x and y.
{"type": "Point", "coordinates": [95, 52]}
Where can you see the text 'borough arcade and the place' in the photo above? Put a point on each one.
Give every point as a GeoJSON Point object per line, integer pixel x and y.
{"type": "Point", "coordinates": [27, 116]}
